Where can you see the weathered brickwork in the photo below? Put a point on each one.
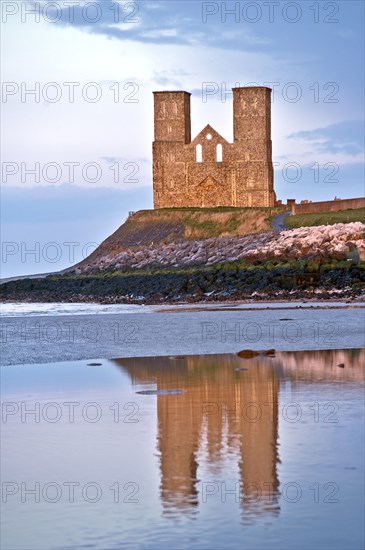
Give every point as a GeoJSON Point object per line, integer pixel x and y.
{"type": "Point", "coordinates": [208, 171]}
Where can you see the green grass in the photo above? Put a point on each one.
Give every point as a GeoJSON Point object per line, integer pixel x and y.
{"type": "Point", "coordinates": [326, 218]}
{"type": "Point", "coordinates": [203, 223]}
{"type": "Point", "coordinates": [241, 265]}
{"type": "Point", "coordinates": [206, 227]}
{"type": "Point", "coordinates": [276, 209]}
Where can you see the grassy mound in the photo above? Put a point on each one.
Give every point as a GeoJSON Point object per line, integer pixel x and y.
{"type": "Point", "coordinates": [166, 225]}
{"type": "Point", "coordinates": [204, 223]}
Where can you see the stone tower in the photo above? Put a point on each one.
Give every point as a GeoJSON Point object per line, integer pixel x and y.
{"type": "Point", "coordinates": [172, 117]}
{"type": "Point", "coordinates": [208, 171]}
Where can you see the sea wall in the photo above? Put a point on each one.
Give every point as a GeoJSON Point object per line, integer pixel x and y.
{"type": "Point", "coordinates": [335, 241]}
{"type": "Point", "coordinates": [328, 206]}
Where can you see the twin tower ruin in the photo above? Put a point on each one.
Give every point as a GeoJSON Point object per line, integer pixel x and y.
{"type": "Point", "coordinates": [209, 171]}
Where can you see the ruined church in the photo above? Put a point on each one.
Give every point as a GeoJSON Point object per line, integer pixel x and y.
{"type": "Point", "coordinates": [209, 171]}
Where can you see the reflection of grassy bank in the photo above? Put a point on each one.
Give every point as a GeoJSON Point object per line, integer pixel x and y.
{"type": "Point", "coordinates": [235, 280]}
{"type": "Point", "coordinates": [324, 218]}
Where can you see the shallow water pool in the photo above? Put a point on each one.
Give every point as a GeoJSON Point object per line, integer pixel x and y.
{"type": "Point", "coordinates": [202, 451]}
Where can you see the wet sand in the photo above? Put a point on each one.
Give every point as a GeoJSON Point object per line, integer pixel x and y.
{"type": "Point", "coordinates": [189, 330]}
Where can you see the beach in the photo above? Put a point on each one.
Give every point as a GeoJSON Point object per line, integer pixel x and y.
{"type": "Point", "coordinates": [42, 333]}
{"type": "Point", "coordinates": [113, 412]}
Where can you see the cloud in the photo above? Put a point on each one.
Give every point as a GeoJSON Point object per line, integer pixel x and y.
{"type": "Point", "coordinates": [342, 137]}
{"type": "Point", "coordinates": [173, 22]}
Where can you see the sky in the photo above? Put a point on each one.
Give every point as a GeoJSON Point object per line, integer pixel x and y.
{"type": "Point", "coordinates": [77, 106]}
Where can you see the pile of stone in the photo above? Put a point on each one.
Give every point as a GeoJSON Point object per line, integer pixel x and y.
{"type": "Point", "coordinates": [338, 241]}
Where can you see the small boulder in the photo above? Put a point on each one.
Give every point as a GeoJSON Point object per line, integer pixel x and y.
{"type": "Point", "coordinates": [247, 353]}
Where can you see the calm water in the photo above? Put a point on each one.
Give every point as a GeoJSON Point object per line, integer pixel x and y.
{"type": "Point", "coordinates": [266, 452]}
{"type": "Point", "coordinates": [54, 309]}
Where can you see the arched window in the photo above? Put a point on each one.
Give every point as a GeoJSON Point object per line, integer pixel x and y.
{"type": "Point", "coordinates": [219, 153]}
{"type": "Point", "coordinates": [199, 153]}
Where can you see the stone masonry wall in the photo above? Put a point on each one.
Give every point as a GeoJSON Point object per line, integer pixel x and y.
{"type": "Point", "coordinates": [209, 171]}
{"type": "Point", "coordinates": [328, 206]}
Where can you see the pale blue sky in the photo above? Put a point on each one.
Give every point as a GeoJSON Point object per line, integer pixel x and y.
{"type": "Point", "coordinates": [92, 155]}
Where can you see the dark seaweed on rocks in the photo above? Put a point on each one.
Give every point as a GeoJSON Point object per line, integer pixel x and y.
{"type": "Point", "coordinates": [217, 283]}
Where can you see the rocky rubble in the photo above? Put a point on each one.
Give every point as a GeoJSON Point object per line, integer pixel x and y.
{"type": "Point", "coordinates": [338, 241]}
{"type": "Point", "coordinates": [176, 286]}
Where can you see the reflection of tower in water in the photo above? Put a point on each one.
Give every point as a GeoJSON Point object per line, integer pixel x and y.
{"type": "Point", "coordinates": [225, 412]}
{"type": "Point", "coordinates": [259, 396]}
{"type": "Point", "coordinates": [236, 411]}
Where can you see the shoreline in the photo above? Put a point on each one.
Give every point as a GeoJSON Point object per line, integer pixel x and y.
{"type": "Point", "coordinates": [347, 296]}
{"type": "Point", "coordinates": [32, 295]}
{"type": "Point", "coordinates": [188, 330]}
{"type": "Point", "coordinates": [229, 282]}
{"type": "Point", "coordinates": [202, 305]}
